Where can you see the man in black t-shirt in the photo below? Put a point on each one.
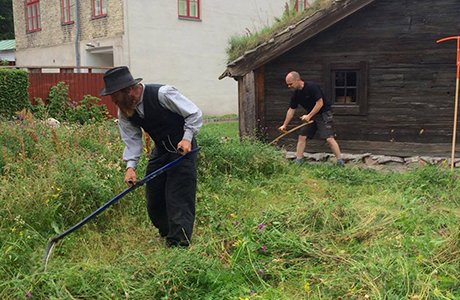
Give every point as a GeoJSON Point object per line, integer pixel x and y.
{"type": "Point", "coordinates": [310, 97]}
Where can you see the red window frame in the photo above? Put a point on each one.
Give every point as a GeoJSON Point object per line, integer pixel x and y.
{"type": "Point", "coordinates": [66, 10]}
{"type": "Point", "coordinates": [33, 21]}
{"type": "Point", "coordinates": [101, 6]}
{"type": "Point", "coordinates": [296, 6]}
{"type": "Point", "coordinates": [188, 15]}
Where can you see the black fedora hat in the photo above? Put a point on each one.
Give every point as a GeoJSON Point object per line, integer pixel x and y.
{"type": "Point", "coordinates": [117, 79]}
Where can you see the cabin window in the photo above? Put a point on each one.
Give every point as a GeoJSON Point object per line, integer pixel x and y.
{"type": "Point", "coordinates": [298, 5]}
{"type": "Point", "coordinates": [347, 87]}
{"type": "Point", "coordinates": [99, 8]}
{"type": "Point", "coordinates": [68, 11]}
{"type": "Point", "coordinates": [33, 15]}
{"type": "Point", "coordinates": [189, 9]}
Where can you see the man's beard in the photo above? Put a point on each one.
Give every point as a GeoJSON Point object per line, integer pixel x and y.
{"type": "Point", "coordinates": [127, 105]}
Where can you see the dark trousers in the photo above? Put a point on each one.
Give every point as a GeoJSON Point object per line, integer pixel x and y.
{"type": "Point", "coordinates": [171, 196]}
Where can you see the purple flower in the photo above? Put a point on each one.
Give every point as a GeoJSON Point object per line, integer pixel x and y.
{"type": "Point", "coordinates": [443, 230]}
{"type": "Point", "coordinates": [21, 116]}
{"type": "Point", "coordinates": [263, 248]}
{"type": "Point", "coordinates": [455, 176]}
{"type": "Point", "coordinates": [28, 295]}
{"type": "Point", "coordinates": [261, 226]}
{"type": "Point", "coordinates": [261, 271]}
{"type": "Point", "coordinates": [258, 120]}
{"type": "Point", "coordinates": [236, 223]}
{"type": "Point", "coordinates": [251, 293]}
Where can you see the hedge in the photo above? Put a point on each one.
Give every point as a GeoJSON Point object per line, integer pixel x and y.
{"type": "Point", "coordinates": [14, 95]}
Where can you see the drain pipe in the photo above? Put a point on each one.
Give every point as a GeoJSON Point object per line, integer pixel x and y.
{"type": "Point", "coordinates": [77, 33]}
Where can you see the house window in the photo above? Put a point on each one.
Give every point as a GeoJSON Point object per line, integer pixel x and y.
{"type": "Point", "coordinates": [347, 87]}
{"type": "Point", "coordinates": [33, 15]}
{"type": "Point", "coordinates": [99, 8]}
{"type": "Point", "coordinates": [68, 11]}
{"type": "Point", "coordinates": [189, 9]}
{"type": "Point", "coordinates": [298, 5]}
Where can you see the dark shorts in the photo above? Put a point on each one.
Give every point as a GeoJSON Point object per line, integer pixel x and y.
{"type": "Point", "coordinates": [322, 127]}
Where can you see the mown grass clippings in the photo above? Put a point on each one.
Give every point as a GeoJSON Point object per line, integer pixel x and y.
{"type": "Point", "coordinates": [265, 228]}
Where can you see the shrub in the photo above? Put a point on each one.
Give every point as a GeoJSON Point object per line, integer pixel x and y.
{"type": "Point", "coordinates": [13, 91]}
{"type": "Point", "coordinates": [62, 108]}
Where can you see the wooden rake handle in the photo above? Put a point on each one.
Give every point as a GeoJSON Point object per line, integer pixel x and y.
{"type": "Point", "coordinates": [288, 132]}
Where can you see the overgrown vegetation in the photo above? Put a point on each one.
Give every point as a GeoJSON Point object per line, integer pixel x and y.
{"type": "Point", "coordinates": [240, 44]}
{"type": "Point", "coordinates": [265, 228]}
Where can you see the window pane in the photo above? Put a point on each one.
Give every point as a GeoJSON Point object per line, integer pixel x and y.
{"type": "Point", "coordinates": [97, 7]}
{"type": "Point", "coordinates": [340, 95]}
{"type": "Point", "coordinates": [351, 95]}
{"type": "Point", "coordinates": [72, 13]}
{"type": "Point", "coordinates": [104, 7]}
{"type": "Point", "coordinates": [351, 79]}
{"type": "Point", "coordinates": [66, 15]}
{"type": "Point", "coordinates": [340, 79]}
{"type": "Point", "coordinates": [34, 18]}
{"type": "Point", "coordinates": [182, 7]}
{"type": "Point", "coordinates": [292, 4]}
{"type": "Point", "coordinates": [193, 9]}
{"type": "Point", "coordinates": [39, 25]}
{"type": "Point", "coordinates": [301, 5]}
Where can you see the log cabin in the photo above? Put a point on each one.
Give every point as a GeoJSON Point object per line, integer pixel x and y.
{"type": "Point", "coordinates": [392, 86]}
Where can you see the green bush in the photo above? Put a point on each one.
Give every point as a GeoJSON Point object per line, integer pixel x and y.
{"type": "Point", "coordinates": [13, 91]}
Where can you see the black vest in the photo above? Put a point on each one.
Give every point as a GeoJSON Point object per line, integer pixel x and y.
{"type": "Point", "coordinates": [165, 127]}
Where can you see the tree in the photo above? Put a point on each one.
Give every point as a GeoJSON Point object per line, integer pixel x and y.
{"type": "Point", "coordinates": [6, 20]}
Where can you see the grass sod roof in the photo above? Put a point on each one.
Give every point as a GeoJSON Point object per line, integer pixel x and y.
{"type": "Point", "coordinates": [251, 52]}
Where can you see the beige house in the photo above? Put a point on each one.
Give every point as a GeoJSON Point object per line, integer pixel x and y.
{"type": "Point", "coordinates": [176, 42]}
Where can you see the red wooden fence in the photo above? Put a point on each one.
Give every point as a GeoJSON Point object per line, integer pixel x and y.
{"type": "Point", "coordinates": [80, 84]}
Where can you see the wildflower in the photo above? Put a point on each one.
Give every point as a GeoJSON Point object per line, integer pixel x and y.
{"type": "Point", "coordinates": [263, 248]}
{"type": "Point", "coordinates": [443, 230]}
{"type": "Point", "coordinates": [58, 189]}
{"type": "Point", "coordinates": [419, 257]}
{"type": "Point", "coordinates": [261, 226]}
{"type": "Point", "coordinates": [21, 233]}
{"type": "Point", "coordinates": [233, 216]}
{"type": "Point", "coordinates": [28, 295]}
{"type": "Point", "coordinates": [307, 286]}
{"type": "Point", "coordinates": [251, 293]}
{"type": "Point", "coordinates": [455, 176]}
{"type": "Point", "coordinates": [261, 271]}
{"type": "Point", "coordinates": [47, 201]}
{"type": "Point", "coordinates": [236, 223]}
{"type": "Point", "coordinates": [55, 195]}
{"type": "Point", "coordinates": [13, 229]}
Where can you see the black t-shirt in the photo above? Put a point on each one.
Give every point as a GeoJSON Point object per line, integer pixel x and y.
{"type": "Point", "coordinates": [308, 96]}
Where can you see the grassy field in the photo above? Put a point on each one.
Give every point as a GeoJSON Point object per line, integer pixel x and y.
{"type": "Point", "coordinates": [265, 228]}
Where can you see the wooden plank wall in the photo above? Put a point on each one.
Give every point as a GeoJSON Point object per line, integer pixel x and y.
{"type": "Point", "coordinates": [411, 83]}
{"type": "Point", "coordinates": [80, 84]}
{"type": "Point", "coordinates": [247, 104]}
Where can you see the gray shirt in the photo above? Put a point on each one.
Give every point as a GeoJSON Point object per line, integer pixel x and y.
{"type": "Point", "coordinates": [170, 99]}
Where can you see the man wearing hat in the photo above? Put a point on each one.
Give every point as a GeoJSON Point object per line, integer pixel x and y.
{"type": "Point", "coordinates": [172, 121]}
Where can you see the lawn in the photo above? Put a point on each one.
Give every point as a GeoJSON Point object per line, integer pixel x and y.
{"type": "Point", "coordinates": [265, 228]}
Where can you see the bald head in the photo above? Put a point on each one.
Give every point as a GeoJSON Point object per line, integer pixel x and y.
{"type": "Point", "coordinates": [294, 74]}
{"type": "Point", "coordinates": [293, 81]}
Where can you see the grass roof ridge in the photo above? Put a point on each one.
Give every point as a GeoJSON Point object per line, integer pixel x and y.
{"type": "Point", "coordinates": [239, 46]}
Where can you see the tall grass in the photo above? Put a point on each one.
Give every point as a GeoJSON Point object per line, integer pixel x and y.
{"type": "Point", "coordinates": [265, 228]}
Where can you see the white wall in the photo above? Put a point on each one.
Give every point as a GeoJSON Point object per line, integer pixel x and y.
{"type": "Point", "coordinates": [191, 54]}
{"type": "Point", "coordinates": [7, 55]}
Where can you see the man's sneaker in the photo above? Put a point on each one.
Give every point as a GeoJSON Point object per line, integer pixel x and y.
{"type": "Point", "coordinates": [340, 163]}
{"type": "Point", "coordinates": [298, 161]}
